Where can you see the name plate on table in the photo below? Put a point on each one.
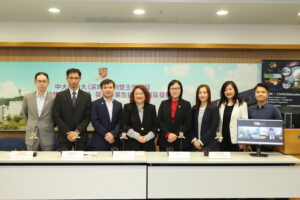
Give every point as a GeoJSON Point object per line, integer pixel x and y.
{"type": "Point", "coordinates": [139, 153]}
{"type": "Point", "coordinates": [219, 155]}
{"type": "Point", "coordinates": [123, 155]}
{"type": "Point", "coordinates": [90, 153]}
{"type": "Point", "coordinates": [21, 155]}
{"type": "Point", "coordinates": [179, 155]}
{"type": "Point", "coordinates": [72, 155]}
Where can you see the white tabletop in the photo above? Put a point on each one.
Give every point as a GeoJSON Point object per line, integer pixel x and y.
{"type": "Point", "coordinates": [151, 158]}
{"type": "Point", "coordinates": [53, 157]}
{"type": "Point", "coordinates": [235, 158]}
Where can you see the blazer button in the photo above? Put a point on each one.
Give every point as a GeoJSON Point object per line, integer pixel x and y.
{"type": "Point", "coordinates": [142, 128]}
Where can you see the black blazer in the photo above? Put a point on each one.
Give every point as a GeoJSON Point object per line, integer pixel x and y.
{"type": "Point", "coordinates": [102, 124]}
{"type": "Point", "coordinates": [69, 118]}
{"type": "Point", "coordinates": [210, 122]}
{"type": "Point", "coordinates": [182, 122]}
{"type": "Point", "coordinates": [131, 120]}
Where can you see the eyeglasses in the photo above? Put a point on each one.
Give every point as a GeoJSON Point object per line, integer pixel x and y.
{"type": "Point", "coordinates": [175, 89]}
{"type": "Point", "coordinates": [40, 81]}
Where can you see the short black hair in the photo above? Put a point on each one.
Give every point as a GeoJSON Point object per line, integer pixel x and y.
{"type": "Point", "coordinates": [41, 73]}
{"type": "Point", "coordinates": [261, 85]}
{"type": "Point", "coordinates": [73, 70]}
{"type": "Point", "coordinates": [107, 82]}
{"type": "Point", "coordinates": [172, 83]}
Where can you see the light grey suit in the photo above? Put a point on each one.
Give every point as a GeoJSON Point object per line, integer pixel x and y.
{"type": "Point", "coordinates": [42, 124]}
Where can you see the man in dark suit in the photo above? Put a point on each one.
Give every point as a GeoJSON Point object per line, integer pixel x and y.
{"type": "Point", "coordinates": [72, 114]}
{"type": "Point", "coordinates": [272, 136]}
{"type": "Point", "coordinates": [105, 117]}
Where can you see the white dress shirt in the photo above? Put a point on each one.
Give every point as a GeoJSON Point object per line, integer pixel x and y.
{"type": "Point", "coordinates": [71, 92]}
{"type": "Point", "coordinates": [40, 101]}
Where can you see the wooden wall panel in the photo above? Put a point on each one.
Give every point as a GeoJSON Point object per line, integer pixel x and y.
{"type": "Point", "coordinates": [14, 54]}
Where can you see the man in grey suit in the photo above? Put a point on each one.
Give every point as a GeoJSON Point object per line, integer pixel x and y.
{"type": "Point", "coordinates": [37, 111]}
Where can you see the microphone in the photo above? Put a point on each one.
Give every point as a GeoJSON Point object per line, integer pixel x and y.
{"type": "Point", "coordinates": [76, 141]}
{"type": "Point", "coordinates": [123, 137]}
{"type": "Point", "coordinates": [181, 137]}
{"type": "Point", "coordinates": [34, 138]}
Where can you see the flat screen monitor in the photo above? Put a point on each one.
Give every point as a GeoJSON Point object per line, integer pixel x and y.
{"type": "Point", "coordinates": [260, 132]}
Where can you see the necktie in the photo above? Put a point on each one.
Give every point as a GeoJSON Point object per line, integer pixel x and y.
{"type": "Point", "coordinates": [74, 98]}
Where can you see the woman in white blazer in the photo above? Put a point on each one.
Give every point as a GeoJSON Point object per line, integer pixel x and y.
{"type": "Point", "coordinates": [231, 108]}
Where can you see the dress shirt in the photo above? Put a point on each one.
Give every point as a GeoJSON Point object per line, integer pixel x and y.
{"type": "Point", "coordinates": [40, 101]}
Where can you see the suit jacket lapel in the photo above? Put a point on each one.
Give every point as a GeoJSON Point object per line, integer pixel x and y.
{"type": "Point", "coordinates": [205, 119]}
{"type": "Point", "coordinates": [168, 111]}
{"type": "Point", "coordinates": [136, 112]}
{"type": "Point", "coordinates": [196, 120]}
{"type": "Point", "coordinates": [34, 101]}
{"type": "Point", "coordinates": [69, 98]}
{"type": "Point", "coordinates": [221, 110]}
{"type": "Point", "coordinates": [235, 107]}
{"type": "Point", "coordinates": [146, 110]}
{"type": "Point", "coordinates": [103, 103]}
{"type": "Point", "coordinates": [178, 111]}
{"type": "Point", "coordinates": [114, 112]}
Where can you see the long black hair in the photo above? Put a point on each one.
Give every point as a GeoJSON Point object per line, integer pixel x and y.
{"type": "Point", "coordinates": [236, 96]}
{"type": "Point", "coordinates": [198, 102]}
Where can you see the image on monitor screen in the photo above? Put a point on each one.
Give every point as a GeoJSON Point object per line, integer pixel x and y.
{"type": "Point", "coordinates": [260, 132]}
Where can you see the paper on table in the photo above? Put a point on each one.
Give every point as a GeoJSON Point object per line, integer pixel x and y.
{"type": "Point", "coordinates": [179, 155]}
{"type": "Point", "coordinates": [219, 155]}
{"type": "Point", "coordinates": [70, 155]}
{"type": "Point", "coordinates": [21, 155]}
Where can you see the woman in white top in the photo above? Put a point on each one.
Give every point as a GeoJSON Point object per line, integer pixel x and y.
{"type": "Point", "coordinates": [231, 108]}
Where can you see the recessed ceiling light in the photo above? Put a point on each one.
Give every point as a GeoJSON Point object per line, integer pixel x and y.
{"type": "Point", "coordinates": [139, 11]}
{"type": "Point", "coordinates": [299, 13]}
{"type": "Point", "coordinates": [222, 12]}
{"type": "Point", "coordinates": [53, 10]}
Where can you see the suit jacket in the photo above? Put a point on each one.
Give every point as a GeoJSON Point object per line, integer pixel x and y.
{"type": "Point", "coordinates": [70, 118]}
{"type": "Point", "coordinates": [182, 122]}
{"type": "Point", "coordinates": [131, 120]}
{"type": "Point", "coordinates": [238, 112]}
{"type": "Point", "coordinates": [102, 124]}
{"type": "Point", "coordinates": [34, 122]}
{"type": "Point", "coordinates": [276, 138]}
{"type": "Point", "coordinates": [209, 126]}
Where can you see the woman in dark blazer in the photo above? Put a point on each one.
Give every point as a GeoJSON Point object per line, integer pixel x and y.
{"type": "Point", "coordinates": [139, 120]}
{"type": "Point", "coordinates": [205, 121]}
{"type": "Point", "coordinates": [174, 118]}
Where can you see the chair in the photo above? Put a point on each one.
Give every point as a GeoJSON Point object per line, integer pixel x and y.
{"type": "Point", "coordinates": [12, 143]}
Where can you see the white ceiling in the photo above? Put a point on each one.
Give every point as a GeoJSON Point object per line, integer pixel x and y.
{"type": "Point", "coordinates": [157, 11]}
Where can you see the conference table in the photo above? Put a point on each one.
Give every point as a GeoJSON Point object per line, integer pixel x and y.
{"type": "Point", "coordinates": [148, 175]}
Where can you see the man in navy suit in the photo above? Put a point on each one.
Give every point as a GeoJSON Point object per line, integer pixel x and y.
{"type": "Point", "coordinates": [105, 117]}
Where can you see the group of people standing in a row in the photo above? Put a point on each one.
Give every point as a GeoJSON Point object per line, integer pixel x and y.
{"type": "Point", "coordinates": [178, 125]}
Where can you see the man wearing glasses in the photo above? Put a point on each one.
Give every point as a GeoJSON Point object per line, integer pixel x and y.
{"type": "Point", "coordinates": [37, 111]}
{"type": "Point", "coordinates": [71, 114]}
